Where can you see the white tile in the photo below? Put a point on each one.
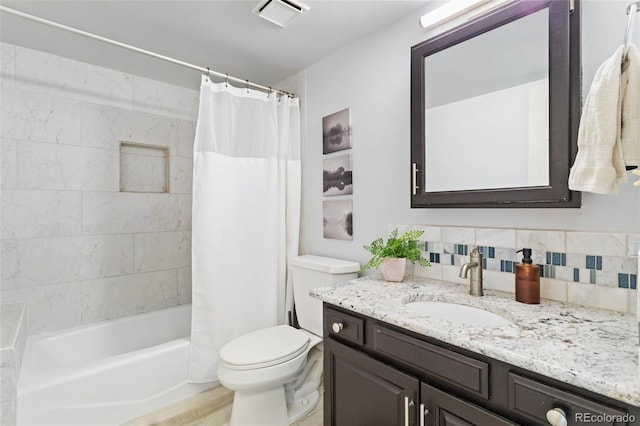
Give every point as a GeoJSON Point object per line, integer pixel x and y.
{"type": "Point", "coordinates": [144, 128]}
{"type": "Point", "coordinates": [64, 77]}
{"type": "Point", "coordinates": [186, 137]}
{"type": "Point", "coordinates": [163, 250]}
{"type": "Point", "coordinates": [8, 412]}
{"type": "Point", "coordinates": [119, 212]}
{"type": "Point", "coordinates": [597, 296]}
{"type": "Point", "coordinates": [56, 260]}
{"type": "Point", "coordinates": [633, 244]}
{"type": "Point", "coordinates": [431, 233]}
{"type": "Point", "coordinates": [8, 382]}
{"type": "Point", "coordinates": [541, 240]}
{"type": "Point", "coordinates": [50, 307]}
{"type": "Point", "coordinates": [600, 243]}
{"type": "Point", "coordinates": [7, 65]}
{"type": "Point", "coordinates": [8, 163]}
{"type": "Point", "coordinates": [32, 213]}
{"type": "Point", "coordinates": [633, 303]}
{"type": "Point", "coordinates": [185, 202]}
{"type": "Point", "coordinates": [458, 235]}
{"type": "Point", "coordinates": [164, 99]}
{"type": "Point", "coordinates": [184, 285]}
{"type": "Point", "coordinates": [108, 298]}
{"type": "Point", "coordinates": [181, 175]}
{"type": "Point", "coordinates": [434, 271]}
{"type": "Point", "coordinates": [9, 266]}
{"type": "Point", "coordinates": [501, 281]}
{"type": "Point", "coordinates": [451, 273]}
{"type": "Point", "coordinates": [44, 118]}
{"type": "Point", "coordinates": [496, 237]}
{"type": "Point", "coordinates": [54, 166]}
{"type": "Point", "coordinates": [553, 289]}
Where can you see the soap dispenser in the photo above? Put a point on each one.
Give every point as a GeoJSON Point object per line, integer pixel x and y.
{"type": "Point", "coordinates": [527, 279]}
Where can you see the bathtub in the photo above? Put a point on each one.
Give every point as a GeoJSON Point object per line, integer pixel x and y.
{"type": "Point", "coordinates": [107, 373]}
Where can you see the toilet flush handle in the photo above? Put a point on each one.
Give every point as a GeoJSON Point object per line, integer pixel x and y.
{"type": "Point", "coordinates": [337, 327]}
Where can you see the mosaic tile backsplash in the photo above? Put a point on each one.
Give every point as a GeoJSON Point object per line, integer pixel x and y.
{"type": "Point", "coordinates": [585, 268]}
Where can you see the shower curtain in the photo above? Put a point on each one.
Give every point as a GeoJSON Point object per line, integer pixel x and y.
{"type": "Point", "coordinates": [246, 217]}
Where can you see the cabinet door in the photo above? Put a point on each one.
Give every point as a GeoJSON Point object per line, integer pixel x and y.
{"type": "Point", "coordinates": [360, 390]}
{"type": "Point", "coordinates": [443, 409]}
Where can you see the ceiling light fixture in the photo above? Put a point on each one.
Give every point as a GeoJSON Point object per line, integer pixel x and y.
{"type": "Point", "coordinates": [280, 12]}
{"type": "Point", "coordinates": [456, 8]}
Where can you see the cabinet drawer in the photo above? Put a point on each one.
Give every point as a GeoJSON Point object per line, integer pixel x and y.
{"type": "Point", "coordinates": [532, 400]}
{"type": "Point", "coordinates": [464, 373]}
{"type": "Point", "coordinates": [344, 326]}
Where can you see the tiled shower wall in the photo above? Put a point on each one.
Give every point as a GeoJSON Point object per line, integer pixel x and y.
{"type": "Point", "coordinates": [75, 248]}
{"type": "Point", "coordinates": [583, 268]}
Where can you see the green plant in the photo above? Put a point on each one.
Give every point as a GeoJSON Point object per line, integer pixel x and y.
{"type": "Point", "coordinates": [405, 246]}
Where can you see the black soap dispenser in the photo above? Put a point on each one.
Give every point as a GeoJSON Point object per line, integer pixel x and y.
{"type": "Point", "coordinates": [527, 279]}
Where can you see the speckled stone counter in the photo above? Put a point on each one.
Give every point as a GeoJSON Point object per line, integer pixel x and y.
{"type": "Point", "coordinates": [589, 348]}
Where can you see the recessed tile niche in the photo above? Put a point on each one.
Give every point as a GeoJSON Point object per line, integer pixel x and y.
{"type": "Point", "coordinates": [144, 168]}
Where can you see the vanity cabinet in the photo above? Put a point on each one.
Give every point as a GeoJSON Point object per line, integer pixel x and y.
{"type": "Point", "coordinates": [379, 374]}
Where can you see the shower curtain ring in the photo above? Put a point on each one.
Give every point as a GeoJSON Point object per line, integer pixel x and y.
{"type": "Point", "coordinates": [208, 74]}
{"type": "Point", "coordinates": [269, 92]}
{"type": "Point", "coordinates": [226, 80]}
{"type": "Point", "coordinates": [247, 85]}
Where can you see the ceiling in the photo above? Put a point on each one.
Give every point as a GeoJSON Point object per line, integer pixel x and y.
{"type": "Point", "coordinates": [222, 35]}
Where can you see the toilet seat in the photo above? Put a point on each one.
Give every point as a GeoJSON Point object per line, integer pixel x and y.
{"type": "Point", "coordinates": [264, 348]}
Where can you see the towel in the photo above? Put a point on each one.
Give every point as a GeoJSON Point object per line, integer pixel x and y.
{"type": "Point", "coordinates": [609, 126]}
{"type": "Point", "coordinates": [630, 89]}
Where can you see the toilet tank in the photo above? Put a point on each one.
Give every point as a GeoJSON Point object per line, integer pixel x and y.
{"type": "Point", "coordinates": [309, 272]}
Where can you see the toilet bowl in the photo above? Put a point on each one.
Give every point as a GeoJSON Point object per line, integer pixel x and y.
{"type": "Point", "coordinates": [276, 371]}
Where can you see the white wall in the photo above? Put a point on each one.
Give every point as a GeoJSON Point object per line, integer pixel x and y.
{"type": "Point", "coordinates": [372, 77]}
{"type": "Point", "coordinates": [74, 248]}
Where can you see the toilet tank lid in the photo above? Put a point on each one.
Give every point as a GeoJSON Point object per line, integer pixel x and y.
{"type": "Point", "coordinates": [325, 264]}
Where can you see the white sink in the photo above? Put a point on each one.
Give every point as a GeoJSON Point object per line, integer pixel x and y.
{"type": "Point", "coordinates": [460, 314]}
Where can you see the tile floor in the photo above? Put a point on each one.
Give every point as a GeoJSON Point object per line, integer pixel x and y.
{"type": "Point", "coordinates": [208, 408]}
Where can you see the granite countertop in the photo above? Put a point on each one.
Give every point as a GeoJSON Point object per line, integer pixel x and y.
{"type": "Point", "coordinates": [590, 348]}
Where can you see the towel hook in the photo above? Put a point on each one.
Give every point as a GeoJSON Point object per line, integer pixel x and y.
{"type": "Point", "coordinates": [632, 9]}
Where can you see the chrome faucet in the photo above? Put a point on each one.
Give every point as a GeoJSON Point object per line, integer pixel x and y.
{"type": "Point", "coordinates": [475, 265]}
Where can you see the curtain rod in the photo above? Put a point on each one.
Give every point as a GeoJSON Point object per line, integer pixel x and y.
{"type": "Point", "coordinates": [203, 70]}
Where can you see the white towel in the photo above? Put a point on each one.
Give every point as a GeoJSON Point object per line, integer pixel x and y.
{"type": "Point", "coordinates": [630, 89]}
{"type": "Point", "coordinates": [602, 149]}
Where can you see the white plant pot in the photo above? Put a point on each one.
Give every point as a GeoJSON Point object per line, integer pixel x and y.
{"type": "Point", "coordinates": [393, 269]}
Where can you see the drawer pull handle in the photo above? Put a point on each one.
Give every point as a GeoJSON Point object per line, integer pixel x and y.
{"type": "Point", "coordinates": [406, 410]}
{"type": "Point", "coordinates": [557, 417]}
{"type": "Point", "coordinates": [337, 327]}
{"type": "Point", "coordinates": [423, 412]}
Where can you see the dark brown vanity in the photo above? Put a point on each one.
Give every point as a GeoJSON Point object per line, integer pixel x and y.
{"type": "Point", "coordinates": [376, 373]}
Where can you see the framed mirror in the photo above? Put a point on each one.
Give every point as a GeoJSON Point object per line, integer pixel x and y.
{"type": "Point", "coordinates": [495, 105]}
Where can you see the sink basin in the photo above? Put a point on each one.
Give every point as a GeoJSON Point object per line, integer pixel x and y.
{"type": "Point", "coordinates": [460, 314]}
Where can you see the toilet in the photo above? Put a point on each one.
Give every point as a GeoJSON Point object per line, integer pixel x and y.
{"type": "Point", "coordinates": [274, 371]}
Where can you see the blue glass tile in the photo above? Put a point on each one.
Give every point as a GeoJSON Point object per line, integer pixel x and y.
{"type": "Point", "coordinates": [576, 275]}
{"type": "Point", "coordinates": [492, 252]}
{"type": "Point", "coordinates": [556, 259]}
{"type": "Point", "coordinates": [591, 262]}
{"type": "Point", "coordinates": [501, 265]}
{"type": "Point", "coordinates": [599, 263]}
{"type": "Point", "coordinates": [426, 246]}
{"type": "Point", "coordinates": [453, 260]}
{"type": "Point", "coordinates": [484, 263]}
{"type": "Point", "coordinates": [592, 276]}
{"type": "Point", "coordinates": [552, 271]}
{"type": "Point", "coordinates": [508, 265]}
{"type": "Point", "coordinates": [432, 257]}
{"type": "Point", "coordinates": [633, 284]}
{"type": "Point", "coordinates": [437, 257]}
{"type": "Point", "coordinates": [623, 280]}
{"type": "Point", "coordinates": [548, 258]}
{"type": "Point", "coordinates": [564, 259]}
{"type": "Point", "coordinates": [466, 247]}
{"type": "Point", "coordinates": [543, 273]}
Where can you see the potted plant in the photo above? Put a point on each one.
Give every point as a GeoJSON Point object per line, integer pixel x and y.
{"type": "Point", "coordinates": [392, 255]}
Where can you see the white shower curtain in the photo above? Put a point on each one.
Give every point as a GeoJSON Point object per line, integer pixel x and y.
{"type": "Point", "coordinates": [246, 217]}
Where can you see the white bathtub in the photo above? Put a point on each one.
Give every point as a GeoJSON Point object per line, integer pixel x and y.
{"type": "Point", "coordinates": [107, 373]}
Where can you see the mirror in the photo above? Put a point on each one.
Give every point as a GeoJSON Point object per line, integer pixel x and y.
{"type": "Point", "coordinates": [495, 104]}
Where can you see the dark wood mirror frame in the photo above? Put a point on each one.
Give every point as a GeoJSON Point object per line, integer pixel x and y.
{"type": "Point", "coordinates": [564, 110]}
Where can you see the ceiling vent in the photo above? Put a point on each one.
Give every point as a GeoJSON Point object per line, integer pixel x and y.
{"type": "Point", "coordinates": [280, 12]}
